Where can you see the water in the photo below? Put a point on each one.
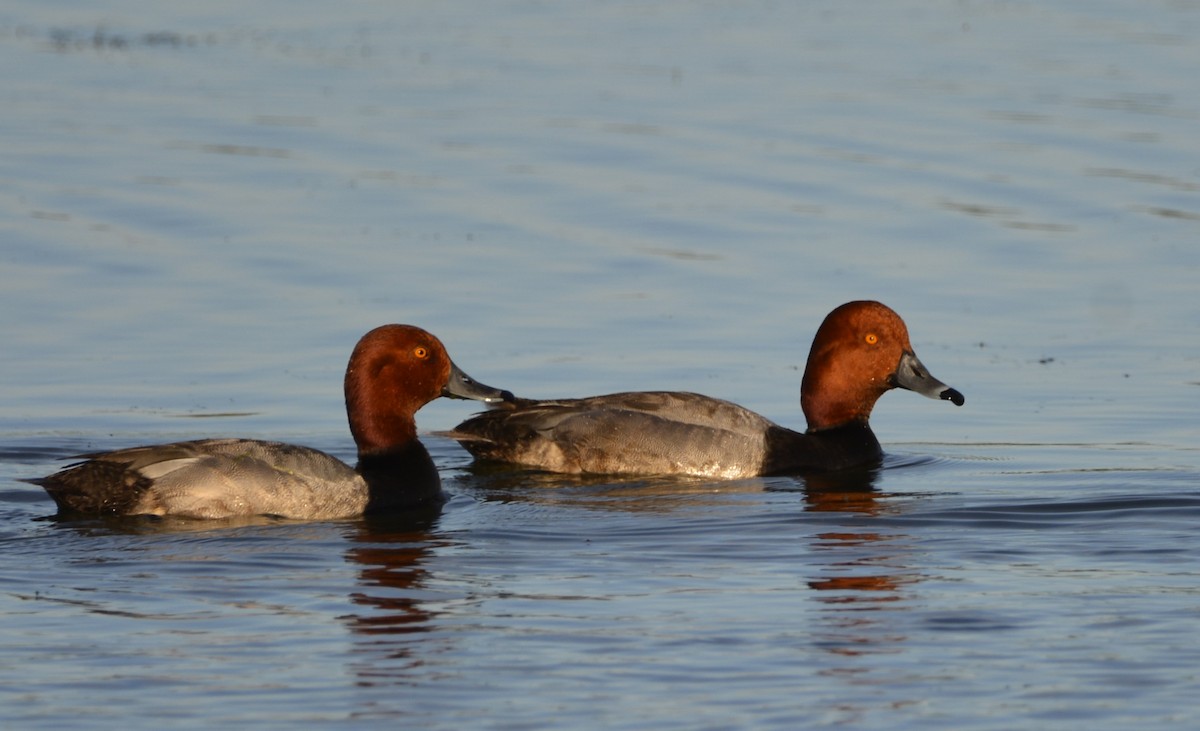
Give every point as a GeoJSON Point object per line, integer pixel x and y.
{"type": "Point", "coordinates": [203, 207]}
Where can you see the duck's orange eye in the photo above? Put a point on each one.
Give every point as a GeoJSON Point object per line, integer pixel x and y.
{"type": "Point", "coordinates": [871, 338]}
{"type": "Point", "coordinates": [421, 352]}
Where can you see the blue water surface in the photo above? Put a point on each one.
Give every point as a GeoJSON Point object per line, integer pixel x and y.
{"type": "Point", "coordinates": [203, 206]}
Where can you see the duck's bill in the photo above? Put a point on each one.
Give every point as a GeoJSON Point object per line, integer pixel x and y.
{"type": "Point", "coordinates": [912, 375]}
{"type": "Point", "coordinates": [463, 386]}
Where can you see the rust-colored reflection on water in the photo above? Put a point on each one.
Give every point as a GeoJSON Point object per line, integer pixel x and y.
{"type": "Point", "coordinates": [860, 571]}
{"type": "Point", "coordinates": [391, 597]}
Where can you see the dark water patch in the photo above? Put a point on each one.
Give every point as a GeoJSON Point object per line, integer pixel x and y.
{"type": "Point", "coordinates": [900, 461]}
{"type": "Point", "coordinates": [1174, 213]}
{"type": "Point", "coordinates": [235, 150]}
{"type": "Point", "coordinates": [29, 454]}
{"type": "Point", "coordinates": [1148, 178]}
{"type": "Point", "coordinates": [178, 528]}
{"type": "Point", "coordinates": [103, 39]}
{"type": "Point", "coordinates": [976, 622]}
{"type": "Point", "coordinates": [98, 607]}
{"type": "Point", "coordinates": [27, 495]}
{"type": "Point", "coordinates": [1059, 513]}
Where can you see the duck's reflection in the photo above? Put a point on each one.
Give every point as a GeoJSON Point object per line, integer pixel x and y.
{"type": "Point", "coordinates": [653, 493]}
{"type": "Point", "coordinates": [858, 569]}
{"type": "Point", "coordinates": [865, 570]}
{"type": "Point", "coordinates": [391, 554]}
{"type": "Point", "coordinates": [847, 491]}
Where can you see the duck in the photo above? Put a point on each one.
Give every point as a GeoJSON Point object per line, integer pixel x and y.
{"type": "Point", "coordinates": [861, 351]}
{"type": "Point", "coordinates": [393, 371]}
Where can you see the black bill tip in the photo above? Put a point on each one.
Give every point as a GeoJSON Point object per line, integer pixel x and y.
{"type": "Point", "coordinates": [953, 396]}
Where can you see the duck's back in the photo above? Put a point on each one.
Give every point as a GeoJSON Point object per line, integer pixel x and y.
{"type": "Point", "coordinates": [646, 432]}
{"type": "Point", "coordinates": [211, 478]}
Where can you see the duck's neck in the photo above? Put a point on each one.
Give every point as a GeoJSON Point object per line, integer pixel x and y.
{"type": "Point", "coordinates": [403, 477]}
{"type": "Point", "coordinates": [382, 433]}
{"type": "Point", "coordinates": [848, 445]}
{"type": "Point", "coordinates": [826, 407]}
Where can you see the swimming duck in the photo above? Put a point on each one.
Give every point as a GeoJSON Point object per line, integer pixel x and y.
{"type": "Point", "coordinates": [393, 371]}
{"type": "Point", "coordinates": [860, 351]}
